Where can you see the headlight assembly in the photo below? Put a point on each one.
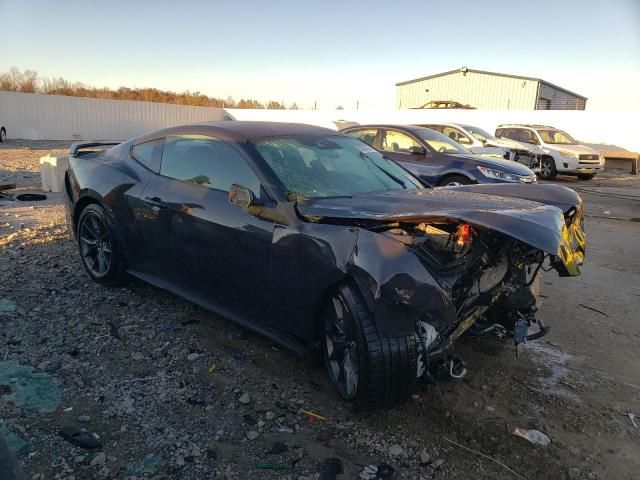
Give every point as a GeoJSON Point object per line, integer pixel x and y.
{"type": "Point", "coordinates": [505, 176]}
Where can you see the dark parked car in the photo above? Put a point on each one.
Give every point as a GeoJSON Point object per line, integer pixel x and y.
{"type": "Point", "coordinates": [319, 242]}
{"type": "Point", "coordinates": [436, 159]}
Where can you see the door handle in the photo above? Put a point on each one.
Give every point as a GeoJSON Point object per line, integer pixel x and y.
{"type": "Point", "coordinates": [155, 202]}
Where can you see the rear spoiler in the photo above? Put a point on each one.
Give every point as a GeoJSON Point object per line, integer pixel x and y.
{"type": "Point", "coordinates": [76, 147]}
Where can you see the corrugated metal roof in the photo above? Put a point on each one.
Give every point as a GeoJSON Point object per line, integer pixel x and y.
{"type": "Point", "coordinates": [521, 77]}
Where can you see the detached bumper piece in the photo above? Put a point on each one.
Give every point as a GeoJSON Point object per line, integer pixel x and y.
{"type": "Point", "coordinates": [572, 248]}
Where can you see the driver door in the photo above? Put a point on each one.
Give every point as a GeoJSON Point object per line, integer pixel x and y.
{"type": "Point", "coordinates": [201, 242]}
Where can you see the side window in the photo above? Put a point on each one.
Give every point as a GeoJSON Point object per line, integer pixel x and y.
{"type": "Point", "coordinates": [437, 128]}
{"type": "Point", "coordinates": [367, 136]}
{"type": "Point", "coordinates": [512, 133]}
{"type": "Point", "coordinates": [527, 136]}
{"type": "Point", "coordinates": [456, 135]}
{"type": "Point", "coordinates": [499, 132]}
{"type": "Point", "coordinates": [208, 162]}
{"type": "Point", "coordinates": [149, 153]}
{"type": "Point", "coordinates": [393, 141]}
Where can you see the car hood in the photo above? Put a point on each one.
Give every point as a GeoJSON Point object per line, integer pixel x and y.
{"type": "Point", "coordinates": [499, 164]}
{"type": "Point", "coordinates": [531, 222]}
{"type": "Point", "coordinates": [574, 148]}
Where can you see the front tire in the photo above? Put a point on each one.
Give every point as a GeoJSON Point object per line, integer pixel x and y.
{"type": "Point", "coordinates": [548, 168]}
{"type": "Point", "coordinates": [3, 135]}
{"type": "Point", "coordinates": [100, 251]}
{"type": "Point", "coordinates": [367, 370]}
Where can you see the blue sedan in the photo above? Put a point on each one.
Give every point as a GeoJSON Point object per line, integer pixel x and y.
{"type": "Point", "coordinates": [436, 159]}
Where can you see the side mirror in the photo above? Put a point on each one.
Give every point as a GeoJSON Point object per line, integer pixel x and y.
{"type": "Point", "coordinates": [239, 195]}
{"type": "Point", "coordinates": [417, 151]}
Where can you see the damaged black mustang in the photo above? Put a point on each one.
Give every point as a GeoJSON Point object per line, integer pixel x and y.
{"type": "Point", "coordinates": [321, 243]}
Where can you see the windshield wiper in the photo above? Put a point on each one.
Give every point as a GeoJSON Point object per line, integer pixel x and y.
{"type": "Point", "coordinates": [388, 174]}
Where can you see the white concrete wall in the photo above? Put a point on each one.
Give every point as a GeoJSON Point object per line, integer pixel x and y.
{"type": "Point", "coordinates": [615, 128]}
{"type": "Point", "coordinates": [50, 117]}
{"type": "Point", "coordinates": [55, 117]}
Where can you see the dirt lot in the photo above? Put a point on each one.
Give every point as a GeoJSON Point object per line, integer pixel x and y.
{"type": "Point", "coordinates": [174, 391]}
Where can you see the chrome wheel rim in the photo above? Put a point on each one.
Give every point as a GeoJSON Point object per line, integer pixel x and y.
{"type": "Point", "coordinates": [95, 245]}
{"type": "Point", "coordinates": [545, 168]}
{"type": "Point", "coordinates": [341, 349]}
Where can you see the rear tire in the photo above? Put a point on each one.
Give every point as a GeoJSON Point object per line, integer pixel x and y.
{"type": "Point", "coordinates": [3, 135]}
{"type": "Point", "coordinates": [100, 250]}
{"type": "Point", "coordinates": [455, 180]}
{"type": "Point", "coordinates": [586, 176]}
{"type": "Point", "coordinates": [367, 370]}
{"type": "Point", "coordinates": [548, 168]}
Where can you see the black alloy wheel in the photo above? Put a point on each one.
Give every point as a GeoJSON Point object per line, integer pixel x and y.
{"type": "Point", "coordinates": [341, 348]}
{"type": "Point", "coordinates": [99, 247]}
{"type": "Point", "coordinates": [369, 371]}
{"type": "Point", "coordinates": [95, 245]}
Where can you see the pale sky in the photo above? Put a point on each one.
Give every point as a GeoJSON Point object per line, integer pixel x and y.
{"type": "Point", "coordinates": [329, 52]}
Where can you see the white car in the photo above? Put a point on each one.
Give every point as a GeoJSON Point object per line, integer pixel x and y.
{"type": "Point", "coordinates": [482, 142]}
{"type": "Point", "coordinates": [560, 152]}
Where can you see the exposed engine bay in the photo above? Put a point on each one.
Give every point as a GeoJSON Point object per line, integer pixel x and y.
{"type": "Point", "coordinates": [488, 275]}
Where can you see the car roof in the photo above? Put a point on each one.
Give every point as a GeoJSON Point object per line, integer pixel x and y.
{"type": "Point", "coordinates": [253, 129]}
{"type": "Point", "coordinates": [241, 130]}
{"type": "Point", "coordinates": [523, 125]}
{"type": "Point", "coordinates": [409, 128]}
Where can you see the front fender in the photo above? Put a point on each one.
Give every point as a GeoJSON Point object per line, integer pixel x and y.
{"type": "Point", "coordinates": [397, 288]}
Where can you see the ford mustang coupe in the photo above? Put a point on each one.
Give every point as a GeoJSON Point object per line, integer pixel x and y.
{"type": "Point", "coordinates": [321, 243]}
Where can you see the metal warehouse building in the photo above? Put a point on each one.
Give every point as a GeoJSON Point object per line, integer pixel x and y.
{"type": "Point", "coordinates": [486, 90]}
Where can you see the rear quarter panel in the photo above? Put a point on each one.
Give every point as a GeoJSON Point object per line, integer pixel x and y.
{"type": "Point", "coordinates": [116, 182]}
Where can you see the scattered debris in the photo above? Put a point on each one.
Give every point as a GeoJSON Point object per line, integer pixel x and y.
{"type": "Point", "coordinates": [485, 456]}
{"type": "Point", "coordinates": [575, 387]}
{"type": "Point", "coordinates": [17, 446]}
{"type": "Point", "coordinates": [31, 197]}
{"type": "Point", "coordinates": [632, 419]}
{"type": "Point", "coordinates": [312, 414]}
{"type": "Point", "coordinates": [330, 468]}
{"type": "Point", "coordinates": [534, 436]}
{"type": "Point", "coordinates": [369, 472]}
{"type": "Point", "coordinates": [252, 435]}
{"type": "Point", "coordinates": [148, 465]}
{"type": "Point", "coordinates": [244, 399]}
{"type": "Point", "coordinates": [395, 450]}
{"type": "Point", "coordinates": [192, 357]}
{"type": "Point", "coordinates": [81, 438]}
{"type": "Point", "coordinates": [212, 368]}
{"type": "Point", "coordinates": [240, 357]}
{"type": "Point", "coordinates": [385, 472]}
{"type": "Point", "coordinates": [7, 306]}
{"type": "Point", "coordinates": [31, 389]}
{"type": "Point", "coordinates": [273, 466]}
{"type": "Point", "coordinates": [593, 309]}
{"type": "Point", "coordinates": [278, 448]}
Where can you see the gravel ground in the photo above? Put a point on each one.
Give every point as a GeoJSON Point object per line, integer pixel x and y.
{"type": "Point", "coordinates": [174, 391]}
